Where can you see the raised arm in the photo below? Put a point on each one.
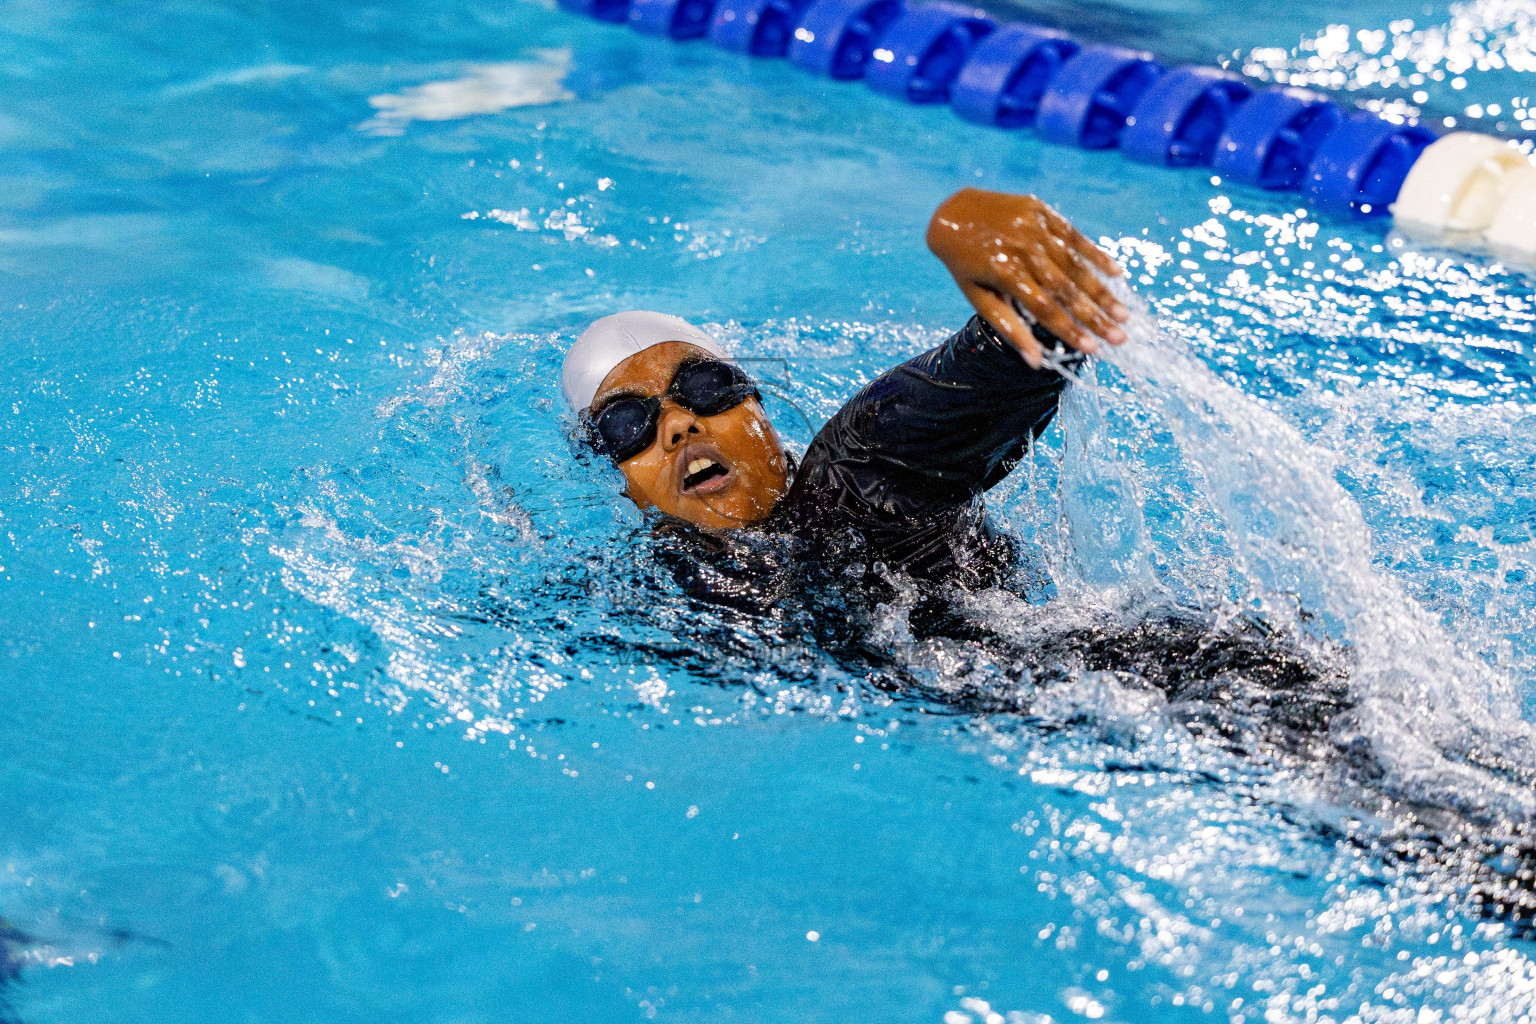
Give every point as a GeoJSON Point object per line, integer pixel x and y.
{"type": "Point", "coordinates": [938, 430]}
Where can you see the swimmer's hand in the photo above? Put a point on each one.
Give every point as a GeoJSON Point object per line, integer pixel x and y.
{"type": "Point", "coordinates": [1010, 253]}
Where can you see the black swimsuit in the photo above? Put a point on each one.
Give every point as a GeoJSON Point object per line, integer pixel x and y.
{"type": "Point", "coordinates": [895, 479]}
{"type": "Point", "coordinates": [898, 473]}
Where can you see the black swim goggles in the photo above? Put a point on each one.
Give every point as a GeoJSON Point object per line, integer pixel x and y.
{"type": "Point", "coordinates": [625, 426]}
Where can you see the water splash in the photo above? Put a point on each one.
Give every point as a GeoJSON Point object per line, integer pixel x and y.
{"type": "Point", "coordinates": [1429, 714]}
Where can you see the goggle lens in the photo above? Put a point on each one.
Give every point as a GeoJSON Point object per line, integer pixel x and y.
{"type": "Point", "coordinates": [710, 387]}
{"type": "Point", "coordinates": [626, 427]}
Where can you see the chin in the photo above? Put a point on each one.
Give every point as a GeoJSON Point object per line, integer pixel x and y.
{"type": "Point", "coordinates": [722, 512]}
{"type": "Point", "coordinates": [719, 518]}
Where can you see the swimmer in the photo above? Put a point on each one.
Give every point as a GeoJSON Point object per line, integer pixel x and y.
{"type": "Point", "coordinates": [899, 471]}
{"type": "Point", "coordinates": [896, 478]}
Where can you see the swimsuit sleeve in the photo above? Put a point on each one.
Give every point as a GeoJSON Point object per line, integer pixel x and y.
{"type": "Point", "coordinates": [931, 434]}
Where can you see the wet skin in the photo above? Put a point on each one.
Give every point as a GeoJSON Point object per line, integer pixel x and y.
{"type": "Point", "coordinates": [1011, 256]}
{"type": "Point", "coordinates": [670, 475]}
{"type": "Point", "coordinates": [1010, 253]}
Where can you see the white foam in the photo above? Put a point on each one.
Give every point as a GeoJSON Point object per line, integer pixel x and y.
{"type": "Point", "coordinates": [486, 89]}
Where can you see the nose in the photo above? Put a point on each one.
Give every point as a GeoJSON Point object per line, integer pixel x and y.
{"type": "Point", "coordinates": [675, 426]}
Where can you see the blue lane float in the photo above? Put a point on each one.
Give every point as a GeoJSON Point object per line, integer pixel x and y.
{"type": "Point", "coordinates": [676, 19]}
{"type": "Point", "coordinates": [601, 10]}
{"type": "Point", "coordinates": [1361, 165]}
{"type": "Point", "coordinates": [1181, 116]}
{"type": "Point", "coordinates": [1007, 74]}
{"type": "Point", "coordinates": [1088, 101]}
{"type": "Point", "coordinates": [923, 50]}
{"type": "Point", "coordinates": [761, 28]}
{"type": "Point", "coordinates": [1096, 97]}
{"type": "Point", "coordinates": [1270, 140]}
{"type": "Point", "coordinates": [836, 37]}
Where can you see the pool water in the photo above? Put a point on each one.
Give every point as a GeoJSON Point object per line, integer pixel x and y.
{"type": "Point", "coordinates": [338, 687]}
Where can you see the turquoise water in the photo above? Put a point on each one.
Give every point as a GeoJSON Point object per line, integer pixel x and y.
{"type": "Point", "coordinates": [337, 690]}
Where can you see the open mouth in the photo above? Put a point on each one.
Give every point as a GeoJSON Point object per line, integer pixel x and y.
{"type": "Point", "coordinates": [701, 470]}
{"type": "Point", "coordinates": [705, 472]}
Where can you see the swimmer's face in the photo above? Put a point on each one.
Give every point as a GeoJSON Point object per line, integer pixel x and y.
{"type": "Point", "coordinates": [718, 472]}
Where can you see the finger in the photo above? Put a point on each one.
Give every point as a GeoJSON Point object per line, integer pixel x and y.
{"type": "Point", "coordinates": [1091, 316]}
{"type": "Point", "coordinates": [1081, 283]}
{"type": "Point", "coordinates": [1017, 282]}
{"type": "Point", "coordinates": [1078, 242]}
{"type": "Point", "coordinates": [998, 312]}
{"type": "Point", "coordinates": [1048, 298]}
{"type": "Point", "coordinates": [1087, 280]}
{"type": "Point", "coordinates": [1100, 259]}
{"type": "Point", "coordinates": [1090, 303]}
{"type": "Point", "coordinates": [1063, 229]}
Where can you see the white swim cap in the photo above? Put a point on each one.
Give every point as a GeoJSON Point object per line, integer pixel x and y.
{"type": "Point", "coordinates": [613, 339]}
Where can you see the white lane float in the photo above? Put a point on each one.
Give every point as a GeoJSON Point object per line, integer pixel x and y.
{"type": "Point", "coordinates": [1458, 183]}
{"type": "Point", "coordinates": [1514, 225]}
{"type": "Point", "coordinates": [1467, 183]}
